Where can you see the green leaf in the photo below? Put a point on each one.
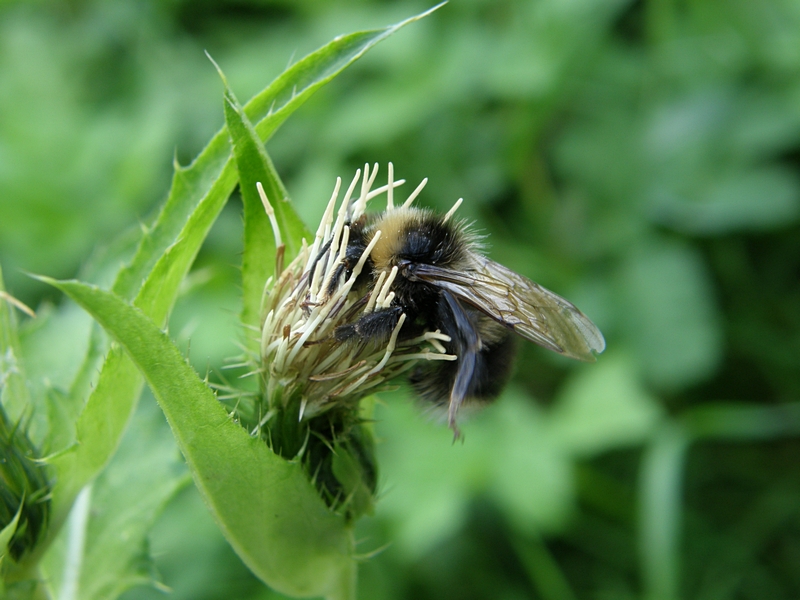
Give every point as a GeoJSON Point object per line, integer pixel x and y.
{"type": "Point", "coordinates": [266, 507]}
{"type": "Point", "coordinates": [670, 314]}
{"type": "Point", "coordinates": [508, 456]}
{"type": "Point", "coordinates": [746, 198]}
{"type": "Point", "coordinates": [254, 165]}
{"type": "Point", "coordinates": [529, 478]}
{"type": "Point", "coordinates": [98, 431]}
{"type": "Point", "coordinates": [603, 406]}
{"type": "Point", "coordinates": [104, 550]}
{"type": "Point", "coordinates": [7, 533]}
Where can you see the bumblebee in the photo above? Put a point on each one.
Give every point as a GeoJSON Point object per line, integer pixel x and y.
{"type": "Point", "coordinates": [443, 281]}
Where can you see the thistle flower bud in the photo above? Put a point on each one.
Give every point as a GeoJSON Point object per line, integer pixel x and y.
{"type": "Point", "coordinates": [24, 488]}
{"type": "Point", "coordinates": [313, 384]}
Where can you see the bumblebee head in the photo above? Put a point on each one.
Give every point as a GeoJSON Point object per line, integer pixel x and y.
{"type": "Point", "coordinates": [414, 236]}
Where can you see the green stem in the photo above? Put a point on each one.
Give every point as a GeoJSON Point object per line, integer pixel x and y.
{"type": "Point", "coordinates": [660, 512]}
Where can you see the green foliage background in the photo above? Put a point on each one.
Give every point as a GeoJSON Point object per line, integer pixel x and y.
{"type": "Point", "coordinates": [638, 157]}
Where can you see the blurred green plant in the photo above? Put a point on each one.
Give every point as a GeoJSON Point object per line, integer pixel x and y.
{"type": "Point", "coordinates": [640, 157]}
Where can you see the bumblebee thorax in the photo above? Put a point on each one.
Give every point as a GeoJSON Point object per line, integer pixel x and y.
{"type": "Point", "coordinates": [393, 226]}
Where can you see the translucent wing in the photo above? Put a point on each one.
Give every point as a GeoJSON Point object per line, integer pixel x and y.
{"type": "Point", "coordinates": [523, 306]}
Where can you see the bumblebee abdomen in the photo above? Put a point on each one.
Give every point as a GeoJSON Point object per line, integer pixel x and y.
{"type": "Point", "coordinates": [433, 382]}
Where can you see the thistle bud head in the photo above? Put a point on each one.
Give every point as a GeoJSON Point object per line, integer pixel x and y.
{"type": "Point", "coordinates": [313, 382]}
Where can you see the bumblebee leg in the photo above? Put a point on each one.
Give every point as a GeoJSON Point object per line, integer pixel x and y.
{"type": "Point", "coordinates": [376, 326]}
{"type": "Point", "coordinates": [334, 283]}
{"type": "Point", "coordinates": [467, 344]}
{"type": "Point", "coordinates": [351, 258]}
{"type": "Point", "coordinates": [323, 251]}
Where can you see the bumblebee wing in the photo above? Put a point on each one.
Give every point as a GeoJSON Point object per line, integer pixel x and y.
{"type": "Point", "coordinates": [523, 306]}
